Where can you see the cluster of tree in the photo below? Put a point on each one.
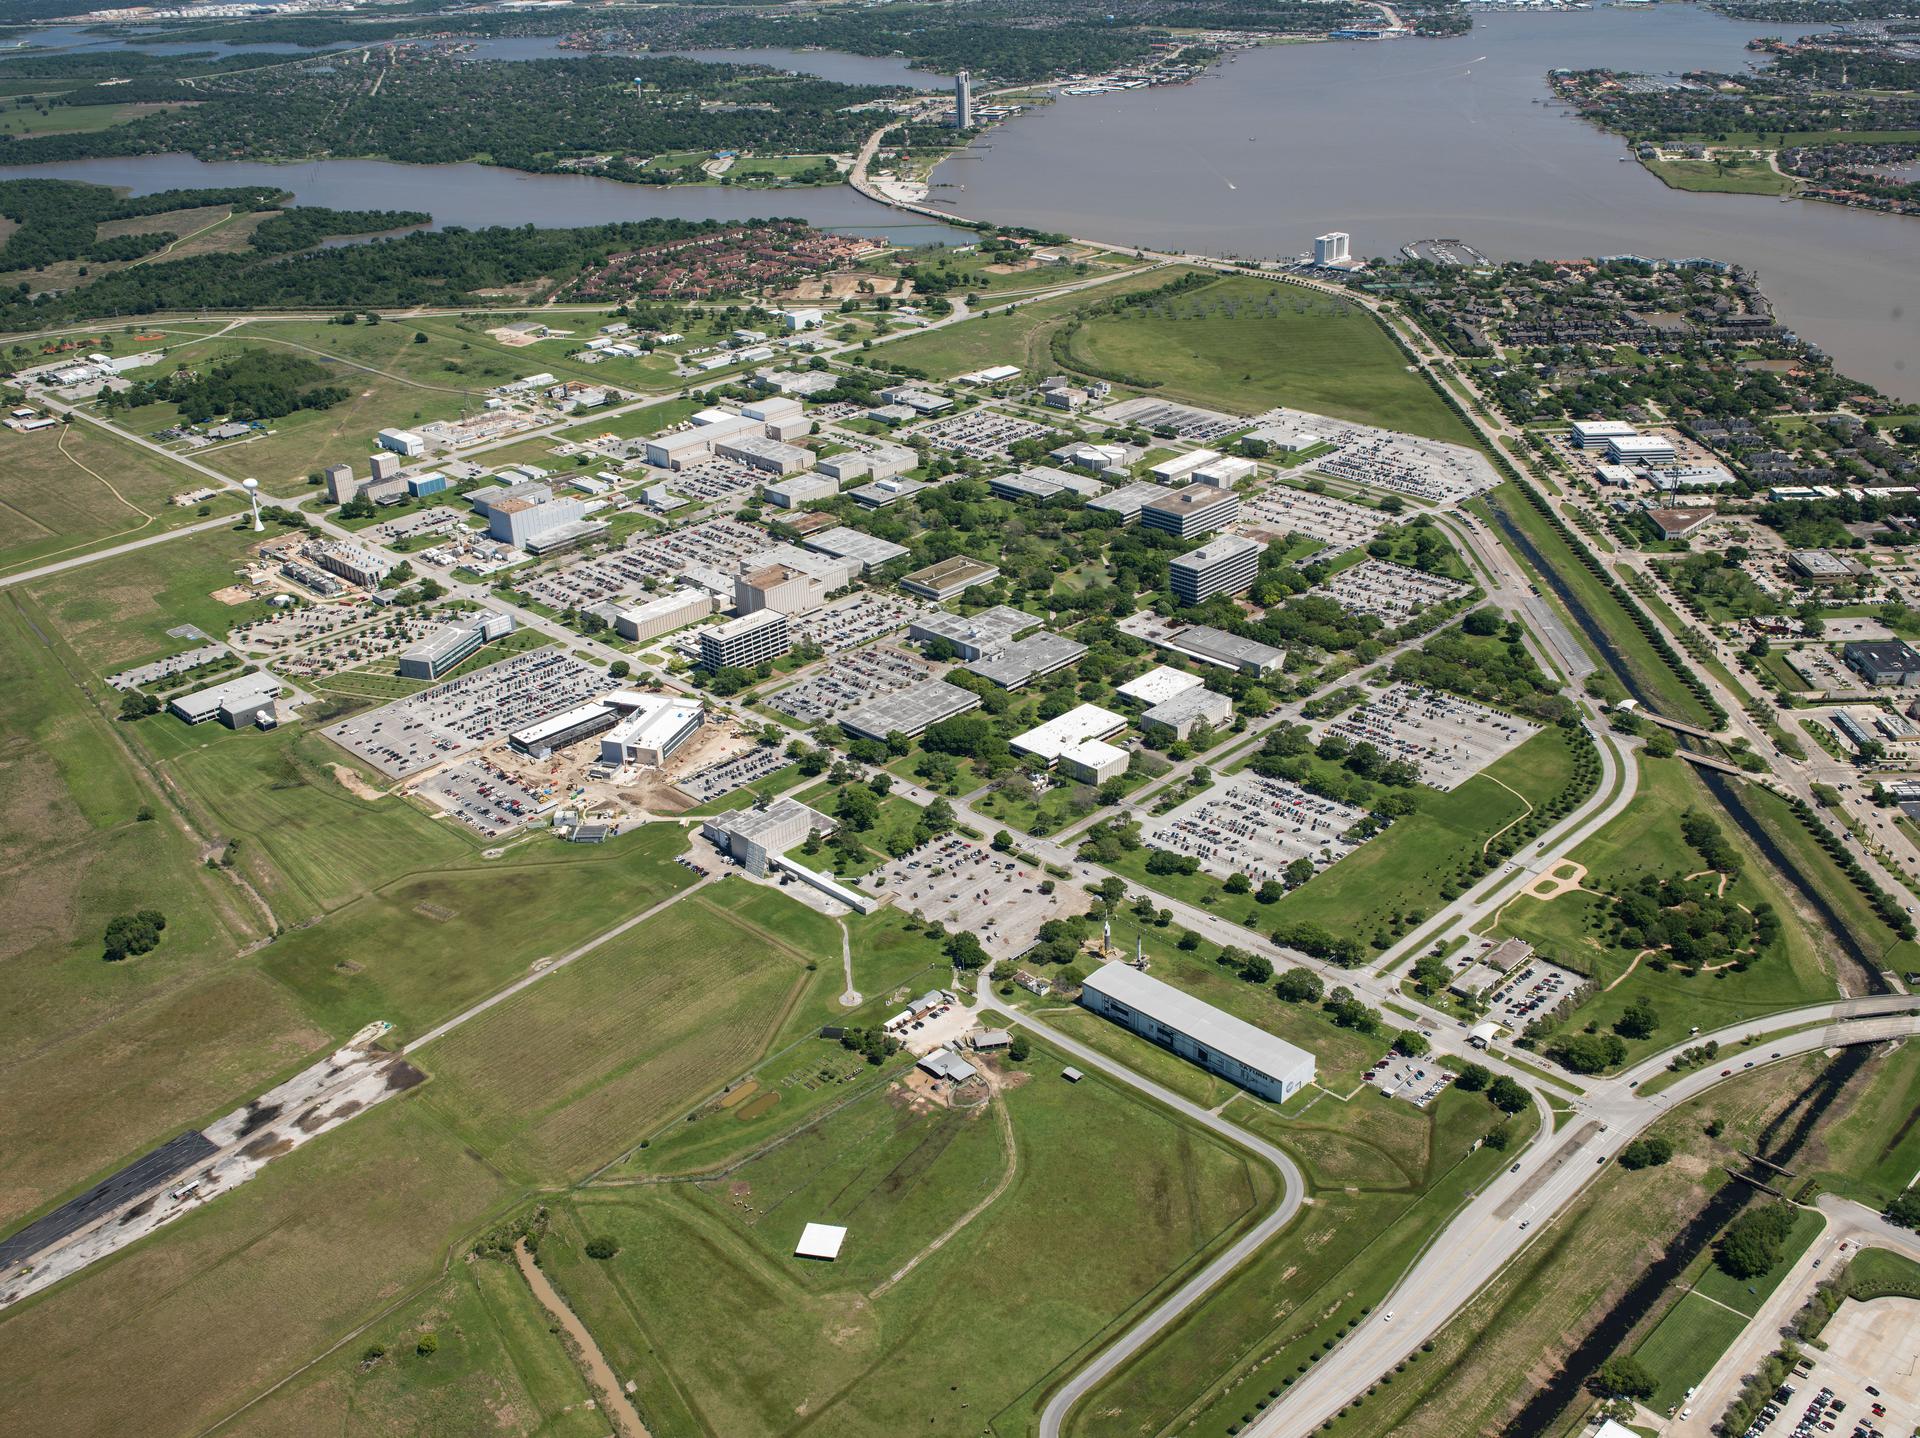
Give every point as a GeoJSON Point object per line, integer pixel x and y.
{"type": "Point", "coordinates": [59, 219]}
{"type": "Point", "coordinates": [131, 934]}
{"type": "Point", "coordinates": [255, 384]}
{"type": "Point", "coordinates": [1754, 1241]}
{"type": "Point", "coordinates": [876, 1045]}
{"type": "Point", "coordinates": [1320, 943]}
{"type": "Point", "coordinates": [1588, 1053]}
{"type": "Point", "coordinates": [1502, 1092]}
{"type": "Point", "coordinates": [1501, 673]}
{"type": "Point", "coordinates": [1704, 836]}
{"type": "Point", "coordinates": [1691, 923]}
{"type": "Point", "coordinates": [1649, 1152]}
{"type": "Point", "coordinates": [538, 115]}
{"type": "Point", "coordinates": [305, 226]}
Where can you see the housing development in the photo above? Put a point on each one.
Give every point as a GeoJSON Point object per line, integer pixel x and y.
{"type": "Point", "coordinates": [731, 829]}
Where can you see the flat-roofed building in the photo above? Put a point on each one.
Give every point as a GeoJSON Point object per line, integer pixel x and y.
{"type": "Point", "coordinates": [245, 699]}
{"type": "Point", "coordinates": [1884, 662]}
{"type": "Point", "coordinates": [948, 577]}
{"type": "Point", "coordinates": [662, 614]}
{"type": "Point", "coordinates": [1158, 685]}
{"type": "Point", "coordinates": [1225, 473]}
{"type": "Point", "coordinates": [1026, 660]}
{"type": "Point", "coordinates": [570, 534]}
{"type": "Point", "coordinates": [569, 726]}
{"type": "Point", "coordinates": [909, 711]}
{"type": "Point", "coordinates": [1641, 449]}
{"type": "Point", "coordinates": [1177, 468]}
{"type": "Point", "coordinates": [1229, 651]}
{"type": "Point", "coordinates": [1191, 512]}
{"type": "Point", "coordinates": [1041, 481]}
{"type": "Point", "coordinates": [443, 649]}
{"type": "Point", "coordinates": [867, 551]}
{"type": "Point", "coordinates": [652, 728]}
{"type": "Point", "coordinates": [920, 401]}
{"type": "Point", "coordinates": [752, 838]}
{"type": "Point", "coordinates": [771, 455]}
{"type": "Point", "coordinates": [843, 467]}
{"type": "Point", "coordinates": [1075, 741]}
{"type": "Point", "coordinates": [1679, 523]}
{"type": "Point", "coordinates": [402, 441]}
{"type": "Point", "coordinates": [1225, 564]}
{"type": "Point", "coordinates": [883, 492]}
{"type": "Point", "coordinates": [352, 563]}
{"type": "Point", "coordinates": [975, 636]}
{"type": "Point", "coordinates": [340, 482]}
{"type": "Point", "coordinates": [1598, 433]}
{"type": "Point", "coordinates": [775, 586]}
{"type": "Point", "coordinates": [1126, 501]}
{"type": "Point", "coordinates": [799, 490]}
{"type": "Point", "coordinates": [1823, 566]}
{"type": "Point", "coordinates": [1200, 1033]}
{"type": "Point", "coordinates": [741, 643]}
{"type": "Point", "coordinates": [515, 521]}
{"type": "Point", "coordinates": [1182, 714]}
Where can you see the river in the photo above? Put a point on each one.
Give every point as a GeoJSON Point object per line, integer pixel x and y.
{"type": "Point", "coordinates": [1402, 140]}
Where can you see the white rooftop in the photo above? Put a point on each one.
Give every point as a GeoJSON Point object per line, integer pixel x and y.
{"type": "Point", "coordinates": [1159, 685]}
{"type": "Point", "coordinates": [820, 1240]}
{"type": "Point", "coordinates": [1076, 727]}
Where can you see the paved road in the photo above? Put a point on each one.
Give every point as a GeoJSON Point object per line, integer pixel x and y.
{"type": "Point", "coordinates": [94, 556]}
{"type": "Point", "coordinates": [1293, 1194]}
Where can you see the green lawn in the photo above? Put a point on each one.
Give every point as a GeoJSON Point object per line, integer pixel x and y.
{"type": "Point", "coordinates": [1743, 175]}
{"type": "Point", "coordinates": [1871, 1151]}
{"type": "Point", "coordinates": [1686, 1345]}
{"type": "Point", "coordinates": [725, 1331]}
{"type": "Point", "coordinates": [1246, 345]}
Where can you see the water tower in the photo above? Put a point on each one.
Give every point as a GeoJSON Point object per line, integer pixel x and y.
{"type": "Point", "coordinates": [252, 487]}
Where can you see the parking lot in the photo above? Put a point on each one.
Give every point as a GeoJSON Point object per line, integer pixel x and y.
{"type": "Point", "coordinates": [1257, 826]}
{"type": "Point", "coordinates": [1338, 524]}
{"type": "Point", "coordinates": [981, 433]}
{"type": "Point", "coordinates": [969, 886]}
{"type": "Point", "coordinates": [1391, 592]}
{"type": "Point", "coordinates": [845, 683]}
{"type": "Point", "coordinates": [1533, 991]}
{"type": "Point", "coordinates": [438, 520]}
{"type": "Point", "coordinates": [454, 718]}
{"type": "Point", "coordinates": [1447, 738]}
{"type": "Point", "coordinates": [1200, 425]}
{"type": "Point", "coordinates": [1428, 469]}
{"type": "Point", "coordinates": [716, 781]}
{"type": "Point", "coordinates": [484, 797]}
{"type": "Point", "coordinates": [716, 545]}
{"type": "Point", "coordinates": [854, 620]}
{"type": "Point", "coordinates": [1866, 1362]}
{"type": "Point", "coordinates": [1418, 1081]}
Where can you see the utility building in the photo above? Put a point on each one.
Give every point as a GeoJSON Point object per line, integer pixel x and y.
{"type": "Point", "coordinates": [1218, 1042]}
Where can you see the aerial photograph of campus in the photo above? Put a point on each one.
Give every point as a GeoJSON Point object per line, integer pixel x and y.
{"type": "Point", "coordinates": [983, 718]}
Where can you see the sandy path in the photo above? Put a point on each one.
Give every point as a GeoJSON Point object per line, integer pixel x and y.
{"type": "Point", "coordinates": [613, 1398]}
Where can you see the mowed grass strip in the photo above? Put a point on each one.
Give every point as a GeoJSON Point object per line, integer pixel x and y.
{"type": "Point", "coordinates": [575, 1069]}
{"type": "Point", "coordinates": [729, 1333]}
{"type": "Point", "coordinates": [1686, 1345]}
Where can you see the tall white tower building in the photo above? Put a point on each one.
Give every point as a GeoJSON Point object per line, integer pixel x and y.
{"type": "Point", "coordinates": [963, 100]}
{"type": "Point", "coordinates": [1330, 249]}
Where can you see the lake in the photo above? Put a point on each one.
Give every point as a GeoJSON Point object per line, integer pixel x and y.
{"type": "Point", "coordinates": [1395, 141]}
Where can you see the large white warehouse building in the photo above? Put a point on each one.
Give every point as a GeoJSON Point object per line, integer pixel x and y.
{"type": "Point", "coordinates": [1217, 1041]}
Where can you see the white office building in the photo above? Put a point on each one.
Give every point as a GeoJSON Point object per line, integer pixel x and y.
{"type": "Point", "coordinates": [1226, 564]}
{"type": "Point", "coordinates": [652, 728]}
{"type": "Point", "coordinates": [963, 100]}
{"type": "Point", "coordinates": [1331, 248]}
{"type": "Point", "coordinates": [746, 641]}
{"type": "Point", "coordinates": [402, 441]}
{"type": "Point", "coordinates": [1218, 1042]}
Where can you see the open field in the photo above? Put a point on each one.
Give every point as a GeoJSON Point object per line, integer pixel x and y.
{"type": "Point", "coordinates": [1384, 1177]}
{"type": "Point", "coordinates": [69, 488]}
{"type": "Point", "coordinates": [1742, 175]}
{"type": "Point", "coordinates": [1518, 1330]}
{"type": "Point", "coordinates": [1221, 346]}
{"type": "Point", "coordinates": [576, 1069]}
{"type": "Point", "coordinates": [1646, 839]}
{"type": "Point", "coordinates": [1020, 337]}
{"type": "Point", "coordinates": [498, 1366]}
{"type": "Point", "coordinates": [726, 1333]}
{"type": "Point", "coordinates": [1870, 1151]}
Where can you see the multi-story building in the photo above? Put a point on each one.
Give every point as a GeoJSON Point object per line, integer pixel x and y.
{"type": "Point", "coordinates": [1191, 512]}
{"type": "Point", "coordinates": [746, 641]}
{"type": "Point", "coordinates": [1226, 564]}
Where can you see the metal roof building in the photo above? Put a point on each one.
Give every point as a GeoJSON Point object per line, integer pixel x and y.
{"type": "Point", "coordinates": [1212, 1038]}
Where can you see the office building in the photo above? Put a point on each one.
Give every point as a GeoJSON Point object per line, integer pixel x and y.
{"type": "Point", "coordinates": [741, 643]}
{"type": "Point", "coordinates": [443, 649]}
{"type": "Point", "coordinates": [1026, 660]}
{"type": "Point", "coordinates": [541, 739]}
{"type": "Point", "coordinates": [351, 563]}
{"type": "Point", "coordinates": [954, 575]}
{"type": "Point", "coordinates": [1159, 685]}
{"type": "Point", "coordinates": [843, 467]}
{"type": "Point", "coordinates": [865, 551]}
{"type": "Point", "coordinates": [1125, 502]}
{"type": "Point", "coordinates": [1882, 663]}
{"type": "Point", "coordinates": [1177, 468]}
{"type": "Point", "coordinates": [516, 521]}
{"type": "Point", "coordinates": [431, 482]}
{"type": "Point", "coordinates": [1598, 433]}
{"type": "Point", "coordinates": [1224, 473]}
{"type": "Point", "coordinates": [341, 485]}
{"type": "Point", "coordinates": [1227, 564]}
{"type": "Point", "coordinates": [753, 838]}
{"type": "Point", "coordinates": [1215, 1040]}
{"type": "Point", "coordinates": [1229, 651]}
{"type": "Point", "coordinates": [383, 467]}
{"type": "Point", "coordinates": [909, 711]}
{"type": "Point", "coordinates": [662, 615]}
{"type": "Point", "coordinates": [247, 699]}
{"type": "Point", "coordinates": [401, 441]}
{"type": "Point", "coordinates": [1633, 449]}
{"type": "Point", "coordinates": [652, 728]}
{"type": "Point", "coordinates": [773, 456]}
{"type": "Point", "coordinates": [1074, 742]}
{"type": "Point", "coordinates": [1823, 566]}
{"type": "Point", "coordinates": [1331, 248]}
{"type": "Point", "coordinates": [1191, 512]}
{"type": "Point", "coordinates": [776, 586]}
{"type": "Point", "coordinates": [975, 636]}
{"type": "Point", "coordinates": [801, 489]}
{"type": "Point", "coordinates": [963, 100]}
{"type": "Point", "coordinates": [1186, 711]}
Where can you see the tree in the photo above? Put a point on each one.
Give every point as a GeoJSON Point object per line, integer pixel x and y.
{"type": "Point", "coordinates": [857, 808]}
{"type": "Point", "coordinates": [1474, 1078]}
{"type": "Point", "coordinates": [1299, 986]}
{"type": "Point", "coordinates": [1588, 1053]}
{"type": "Point", "coordinates": [940, 816]}
{"type": "Point", "coordinates": [602, 1246]}
{"type": "Point", "coordinates": [1638, 1022]}
{"type": "Point", "coordinates": [1623, 1377]}
{"type": "Point", "coordinates": [1019, 1048]}
{"type": "Point", "coordinates": [1752, 1243]}
{"type": "Point", "coordinates": [130, 934]}
{"type": "Point", "coordinates": [1506, 1095]}
{"type": "Point", "coordinates": [427, 1344]}
{"type": "Point", "coordinates": [965, 951]}
{"type": "Point", "coordinates": [137, 705]}
{"type": "Point", "coordinates": [619, 669]}
{"type": "Point", "coordinates": [1412, 1043]}
{"type": "Point", "coordinates": [1646, 1153]}
{"type": "Point", "coordinates": [1905, 1210]}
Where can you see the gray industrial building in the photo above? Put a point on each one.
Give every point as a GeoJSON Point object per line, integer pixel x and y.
{"type": "Point", "coordinates": [752, 837]}
{"type": "Point", "coordinates": [1887, 662]}
{"type": "Point", "coordinates": [1026, 660]}
{"type": "Point", "coordinates": [946, 578]}
{"type": "Point", "coordinates": [910, 711]}
{"type": "Point", "coordinates": [248, 699]}
{"type": "Point", "coordinates": [866, 550]}
{"type": "Point", "coordinates": [1227, 564]}
{"type": "Point", "coordinates": [1188, 709]}
{"type": "Point", "coordinates": [1229, 651]}
{"type": "Point", "coordinates": [976, 636]}
{"type": "Point", "coordinates": [662, 614]}
{"type": "Point", "coordinates": [1215, 1040]}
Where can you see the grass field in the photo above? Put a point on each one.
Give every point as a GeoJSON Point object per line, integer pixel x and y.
{"type": "Point", "coordinates": [1742, 175]}
{"type": "Point", "coordinates": [1520, 1328]}
{"type": "Point", "coordinates": [1245, 345]}
{"type": "Point", "coordinates": [498, 1367]}
{"type": "Point", "coordinates": [1383, 1177]}
{"type": "Point", "coordinates": [1871, 1149]}
{"type": "Point", "coordinates": [726, 1333]}
{"type": "Point", "coordinates": [74, 487]}
{"type": "Point", "coordinates": [565, 1076]}
{"type": "Point", "coordinates": [1646, 839]}
{"type": "Point", "coordinates": [1019, 337]}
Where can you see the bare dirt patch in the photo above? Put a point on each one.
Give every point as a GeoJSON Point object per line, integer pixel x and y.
{"type": "Point", "coordinates": [354, 784]}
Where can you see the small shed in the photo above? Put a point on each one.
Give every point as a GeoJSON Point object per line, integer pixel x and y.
{"type": "Point", "coordinates": [820, 1241]}
{"type": "Point", "coordinates": [1071, 1075]}
{"type": "Point", "coordinates": [988, 1039]}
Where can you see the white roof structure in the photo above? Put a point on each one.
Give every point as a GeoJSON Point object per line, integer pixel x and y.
{"type": "Point", "coordinates": [821, 1241]}
{"type": "Point", "coordinates": [1212, 1028]}
{"type": "Point", "coordinates": [1159, 685]}
{"type": "Point", "coordinates": [1078, 726]}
